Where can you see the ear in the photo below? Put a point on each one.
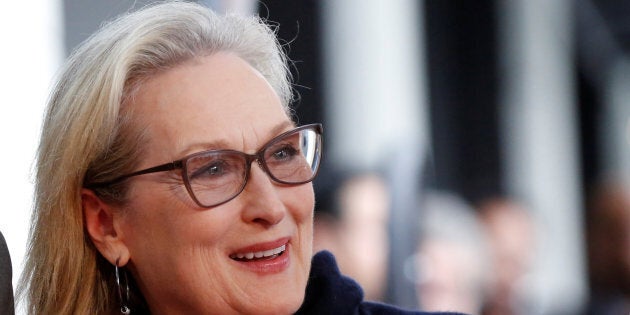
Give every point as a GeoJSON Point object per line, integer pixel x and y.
{"type": "Point", "coordinates": [99, 218]}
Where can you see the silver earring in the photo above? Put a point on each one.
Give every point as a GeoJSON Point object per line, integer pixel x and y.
{"type": "Point", "coordinates": [124, 299]}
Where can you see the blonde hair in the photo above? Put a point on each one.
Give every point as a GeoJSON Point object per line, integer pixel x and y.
{"type": "Point", "coordinates": [88, 137]}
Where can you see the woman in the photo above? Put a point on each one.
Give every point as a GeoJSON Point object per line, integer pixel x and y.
{"type": "Point", "coordinates": [171, 178]}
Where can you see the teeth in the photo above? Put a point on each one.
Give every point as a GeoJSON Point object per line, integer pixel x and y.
{"type": "Point", "coordinates": [261, 254]}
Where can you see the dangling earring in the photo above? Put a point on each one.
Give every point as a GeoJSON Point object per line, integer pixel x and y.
{"type": "Point", "coordinates": [124, 299]}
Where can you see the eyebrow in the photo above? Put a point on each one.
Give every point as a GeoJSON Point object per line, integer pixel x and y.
{"type": "Point", "coordinates": [222, 144]}
{"type": "Point", "coordinates": [280, 128]}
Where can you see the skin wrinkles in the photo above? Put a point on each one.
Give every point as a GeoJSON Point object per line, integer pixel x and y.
{"type": "Point", "coordinates": [179, 252]}
{"type": "Point", "coordinates": [224, 145]}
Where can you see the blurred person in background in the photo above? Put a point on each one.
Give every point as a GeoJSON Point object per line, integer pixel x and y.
{"type": "Point", "coordinates": [510, 233]}
{"type": "Point", "coordinates": [364, 203]}
{"type": "Point", "coordinates": [352, 223]}
{"type": "Point", "coordinates": [608, 248]}
{"type": "Point", "coordinates": [6, 285]}
{"type": "Point", "coordinates": [451, 269]}
{"type": "Point", "coordinates": [326, 222]}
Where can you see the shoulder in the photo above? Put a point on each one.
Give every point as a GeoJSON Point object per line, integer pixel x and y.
{"type": "Point", "coordinates": [330, 292]}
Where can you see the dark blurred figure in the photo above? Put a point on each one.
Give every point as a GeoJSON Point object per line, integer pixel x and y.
{"type": "Point", "coordinates": [351, 221]}
{"type": "Point", "coordinates": [608, 242]}
{"type": "Point", "coordinates": [509, 228]}
{"type": "Point", "coordinates": [6, 286]}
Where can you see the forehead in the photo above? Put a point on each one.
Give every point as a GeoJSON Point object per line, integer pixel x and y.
{"type": "Point", "coordinates": [214, 99]}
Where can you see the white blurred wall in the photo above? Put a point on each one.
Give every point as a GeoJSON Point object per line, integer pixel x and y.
{"type": "Point", "coordinates": [540, 143]}
{"type": "Point", "coordinates": [31, 53]}
{"type": "Point", "coordinates": [374, 79]}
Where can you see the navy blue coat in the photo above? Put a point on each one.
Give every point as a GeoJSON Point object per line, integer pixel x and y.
{"type": "Point", "coordinates": [329, 292]}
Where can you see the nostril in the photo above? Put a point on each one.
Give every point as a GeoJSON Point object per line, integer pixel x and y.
{"type": "Point", "coordinates": [265, 217]}
{"type": "Point", "coordinates": [264, 222]}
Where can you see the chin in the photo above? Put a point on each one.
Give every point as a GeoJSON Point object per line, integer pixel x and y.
{"type": "Point", "coordinates": [282, 297]}
{"type": "Point", "coordinates": [279, 305]}
{"type": "Point", "coordinates": [290, 307]}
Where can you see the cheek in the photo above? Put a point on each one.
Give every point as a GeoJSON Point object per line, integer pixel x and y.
{"type": "Point", "coordinates": [159, 224]}
{"type": "Point", "coordinates": [170, 242]}
{"type": "Point", "coordinates": [300, 202]}
{"type": "Point", "coordinates": [150, 215]}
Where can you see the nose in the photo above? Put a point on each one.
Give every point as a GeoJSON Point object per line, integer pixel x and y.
{"type": "Point", "coordinates": [262, 202]}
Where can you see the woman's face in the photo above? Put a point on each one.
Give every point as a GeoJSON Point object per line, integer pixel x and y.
{"type": "Point", "coordinates": [183, 256]}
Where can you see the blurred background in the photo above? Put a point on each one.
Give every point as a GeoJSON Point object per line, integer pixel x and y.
{"type": "Point", "coordinates": [477, 152]}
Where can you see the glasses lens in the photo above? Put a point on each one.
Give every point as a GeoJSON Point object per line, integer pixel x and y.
{"type": "Point", "coordinates": [294, 158]}
{"type": "Point", "coordinates": [215, 177]}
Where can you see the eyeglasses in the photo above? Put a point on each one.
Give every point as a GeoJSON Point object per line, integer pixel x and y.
{"type": "Point", "coordinates": [215, 177]}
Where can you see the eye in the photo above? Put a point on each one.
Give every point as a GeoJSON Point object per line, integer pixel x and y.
{"type": "Point", "coordinates": [211, 169]}
{"type": "Point", "coordinates": [214, 169]}
{"type": "Point", "coordinates": [284, 152]}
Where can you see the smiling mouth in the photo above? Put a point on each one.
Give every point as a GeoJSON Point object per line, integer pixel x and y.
{"type": "Point", "coordinates": [261, 255]}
